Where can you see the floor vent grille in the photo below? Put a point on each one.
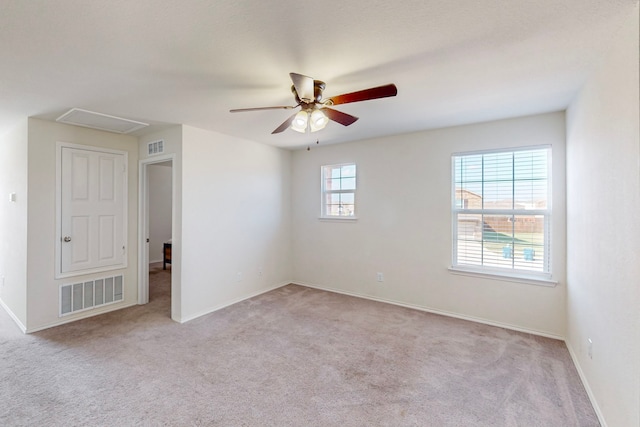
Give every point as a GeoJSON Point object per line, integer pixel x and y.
{"type": "Point", "coordinates": [75, 297]}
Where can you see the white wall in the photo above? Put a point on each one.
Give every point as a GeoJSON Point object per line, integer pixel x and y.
{"type": "Point", "coordinates": [236, 219]}
{"type": "Point", "coordinates": [603, 231]}
{"type": "Point", "coordinates": [404, 225]}
{"type": "Point", "coordinates": [160, 189]}
{"type": "Point", "coordinates": [42, 287]}
{"type": "Point", "coordinates": [13, 223]}
{"type": "Point", "coordinates": [172, 138]}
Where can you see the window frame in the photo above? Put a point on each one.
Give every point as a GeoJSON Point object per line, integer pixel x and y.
{"type": "Point", "coordinates": [513, 273]}
{"type": "Point", "coordinates": [324, 192]}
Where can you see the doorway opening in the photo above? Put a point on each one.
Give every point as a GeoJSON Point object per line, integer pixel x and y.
{"type": "Point", "coordinates": [156, 217]}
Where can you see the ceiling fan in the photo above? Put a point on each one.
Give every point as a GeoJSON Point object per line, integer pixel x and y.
{"type": "Point", "coordinates": [314, 111]}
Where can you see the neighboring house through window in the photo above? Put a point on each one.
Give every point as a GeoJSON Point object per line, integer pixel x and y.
{"type": "Point", "coordinates": [501, 211]}
{"type": "Point", "coordinates": [338, 191]}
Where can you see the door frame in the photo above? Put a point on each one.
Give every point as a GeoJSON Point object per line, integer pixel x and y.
{"type": "Point", "coordinates": [143, 221]}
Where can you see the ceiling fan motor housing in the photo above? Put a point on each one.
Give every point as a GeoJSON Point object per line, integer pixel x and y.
{"type": "Point", "coordinates": [318, 88]}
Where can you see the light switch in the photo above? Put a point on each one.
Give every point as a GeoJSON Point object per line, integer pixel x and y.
{"type": "Point", "coordinates": [12, 197]}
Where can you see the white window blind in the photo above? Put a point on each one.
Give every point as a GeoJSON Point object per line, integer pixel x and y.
{"type": "Point", "coordinates": [501, 211]}
{"type": "Point", "coordinates": [338, 191]}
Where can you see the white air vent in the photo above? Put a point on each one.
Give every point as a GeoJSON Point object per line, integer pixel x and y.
{"type": "Point", "coordinates": [155, 147]}
{"type": "Point", "coordinates": [82, 296]}
{"type": "Point", "coordinates": [90, 119]}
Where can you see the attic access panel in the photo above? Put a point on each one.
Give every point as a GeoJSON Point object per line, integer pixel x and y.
{"type": "Point", "coordinates": [93, 120]}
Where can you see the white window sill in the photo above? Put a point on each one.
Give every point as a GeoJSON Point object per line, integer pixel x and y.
{"type": "Point", "coordinates": [511, 277]}
{"type": "Point", "coordinates": [338, 218]}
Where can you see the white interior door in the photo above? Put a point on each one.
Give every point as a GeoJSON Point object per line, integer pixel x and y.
{"type": "Point", "coordinates": [93, 204]}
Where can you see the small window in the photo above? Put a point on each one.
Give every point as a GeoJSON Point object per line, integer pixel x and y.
{"type": "Point", "coordinates": [339, 191]}
{"type": "Point", "coordinates": [501, 211]}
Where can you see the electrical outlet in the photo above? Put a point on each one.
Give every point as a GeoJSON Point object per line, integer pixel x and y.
{"type": "Point", "coordinates": [380, 277]}
{"type": "Point", "coordinates": [260, 272]}
{"type": "Point", "coordinates": [590, 348]}
{"type": "Point", "coordinates": [239, 276]}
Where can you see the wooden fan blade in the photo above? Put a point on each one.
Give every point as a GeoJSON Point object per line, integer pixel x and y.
{"type": "Point", "coordinates": [304, 86]}
{"type": "Point", "coordinates": [338, 116]}
{"type": "Point", "coordinates": [285, 125]}
{"type": "Point", "coordinates": [364, 95]}
{"type": "Point", "coordinates": [283, 107]}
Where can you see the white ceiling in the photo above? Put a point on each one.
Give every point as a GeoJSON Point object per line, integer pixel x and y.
{"type": "Point", "coordinates": [189, 61]}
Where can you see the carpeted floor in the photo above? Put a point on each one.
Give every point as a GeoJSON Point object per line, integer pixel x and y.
{"type": "Point", "coordinates": [292, 357]}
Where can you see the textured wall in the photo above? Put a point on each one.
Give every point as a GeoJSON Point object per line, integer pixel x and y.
{"type": "Point", "coordinates": [13, 222]}
{"type": "Point", "coordinates": [236, 204]}
{"type": "Point", "coordinates": [404, 225]}
{"type": "Point", "coordinates": [42, 288]}
{"type": "Point", "coordinates": [603, 231]}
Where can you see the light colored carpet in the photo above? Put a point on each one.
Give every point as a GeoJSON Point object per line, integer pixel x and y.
{"type": "Point", "coordinates": [292, 357]}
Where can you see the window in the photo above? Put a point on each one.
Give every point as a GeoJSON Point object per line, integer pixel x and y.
{"type": "Point", "coordinates": [338, 191]}
{"type": "Point", "coordinates": [501, 211]}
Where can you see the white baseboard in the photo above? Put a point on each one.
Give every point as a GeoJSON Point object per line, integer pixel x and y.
{"type": "Point", "coordinates": [11, 314]}
{"type": "Point", "coordinates": [436, 311]}
{"type": "Point", "coordinates": [89, 314]}
{"type": "Point", "coordinates": [585, 383]}
{"type": "Point", "coordinates": [227, 304]}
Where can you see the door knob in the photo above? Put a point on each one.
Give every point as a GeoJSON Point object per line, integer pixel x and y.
{"type": "Point", "coordinates": [67, 239]}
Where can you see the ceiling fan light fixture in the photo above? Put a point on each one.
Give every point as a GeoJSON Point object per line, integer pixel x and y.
{"type": "Point", "coordinates": [318, 121]}
{"type": "Point", "coordinates": [300, 121]}
{"type": "Point", "coordinates": [314, 111]}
